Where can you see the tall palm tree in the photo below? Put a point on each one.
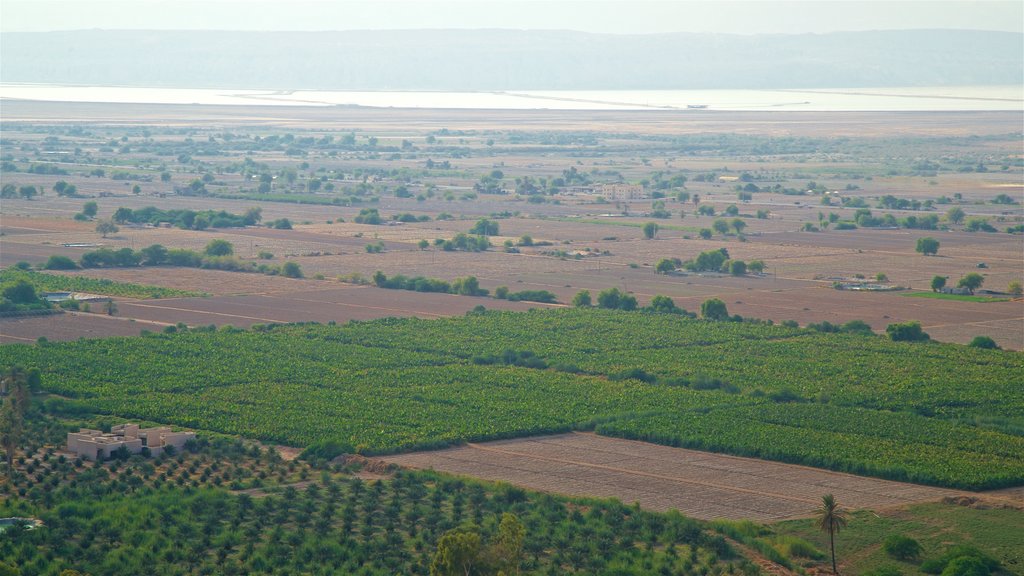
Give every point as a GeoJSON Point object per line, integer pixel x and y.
{"type": "Point", "coordinates": [831, 518]}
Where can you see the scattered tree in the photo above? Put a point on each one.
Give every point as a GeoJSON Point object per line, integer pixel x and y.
{"type": "Point", "coordinates": [902, 547]}
{"type": "Point", "coordinates": [830, 518]}
{"type": "Point", "coordinates": [219, 247]}
{"type": "Point", "coordinates": [928, 246]}
{"type": "Point", "coordinates": [291, 270]}
{"type": "Point", "coordinates": [984, 342]}
{"type": "Point", "coordinates": [906, 332]}
{"type": "Point", "coordinates": [972, 281]}
{"type": "Point", "coordinates": [664, 266]}
{"type": "Point", "coordinates": [714, 309]}
{"type": "Point", "coordinates": [581, 299]}
{"type": "Point", "coordinates": [720, 226]}
{"type": "Point", "coordinates": [1015, 289]}
{"type": "Point", "coordinates": [938, 283]}
{"type": "Point", "coordinates": [955, 215]}
{"type": "Point", "coordinates": [106, 227]}
{"type": "Point", "coordinates": [484, 227]}
{"type": "Point", "coordinates": [650, 230]}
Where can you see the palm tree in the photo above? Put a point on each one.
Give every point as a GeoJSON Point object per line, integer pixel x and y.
{"type": "Point", "coordinates": [831, 518]}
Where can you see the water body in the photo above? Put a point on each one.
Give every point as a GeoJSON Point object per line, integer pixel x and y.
{"type": "Point", "coordinates": [955, 98]}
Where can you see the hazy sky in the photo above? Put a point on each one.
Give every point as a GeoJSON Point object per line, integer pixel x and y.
{"type": "Point", "coordinates": [627, 17]}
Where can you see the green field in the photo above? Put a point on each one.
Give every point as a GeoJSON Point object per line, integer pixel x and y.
{"type": "Point", "coordinates": [960, 297]}
{"type": "Point", "coordinates": [231, 508]}
{"type": "Point", "coordinates": [59, 283]}
{"type": "Point", "coordinates": [831, 400]}
{"type": "Point", "coordinates": [936, 526]}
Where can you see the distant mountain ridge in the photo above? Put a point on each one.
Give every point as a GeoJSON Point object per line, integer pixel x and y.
{"type": "Point", "coordinates": [467, 60]}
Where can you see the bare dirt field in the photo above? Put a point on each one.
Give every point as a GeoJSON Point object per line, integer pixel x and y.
{"type": "Point", "coordinates": [305, 301]}
{"type": "Point", "coordinates": [938, 160]}
{"type": "Point", "coordinates": [337, 304]}
{"type": "Point", "coordinates": [70, 326]}
{"type": "Point", "coordinates": [698, 484]}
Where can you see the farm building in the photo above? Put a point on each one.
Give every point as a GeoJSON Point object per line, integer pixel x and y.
{"type": "Point", "coordinates": [96, 445]}
{"type": "Point", "coordinates": [623, 191]}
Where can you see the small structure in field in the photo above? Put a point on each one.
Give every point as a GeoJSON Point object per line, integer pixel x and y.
{"type": "Point", "coordinates": [79, 296]}
{"type": "Point", "coordinates": [623, 191]}
{"type": "Point", "coordinates": [95, 445]}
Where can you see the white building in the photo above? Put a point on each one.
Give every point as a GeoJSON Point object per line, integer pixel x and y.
{"type": "Point", "coordinates": [96, 445]}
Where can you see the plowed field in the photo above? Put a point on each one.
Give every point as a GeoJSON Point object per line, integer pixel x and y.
{"type": "Point", "coordinates": [698, 484]}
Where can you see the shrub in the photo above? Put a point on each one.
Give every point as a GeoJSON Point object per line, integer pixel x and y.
{"type": "Point", "coordinates": [907, 332]}
{"type": "Point", "coordinates": [902, 547]}
{"type": "Point", "coordinates": [57, 262]}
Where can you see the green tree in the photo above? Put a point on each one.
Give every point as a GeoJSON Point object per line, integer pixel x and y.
{"type": "Point", "coordinates": [720, 226]}
{"type": "Point", "coordinates": [927, 246]}
{"type": "Point", "coordinates": [756, 266]}
{"type": "Point", "coordinates": [902, 547]}
{"type": "Point", "coordinates": [154, 255]}
{"type": "Point", "coordinates": [123, 215]}
{"type": "Point", "coordinates": [938, 283]}
{"type": "Point", "coordinates": [17, 383]}
{"type": "Point", "coordinates": [106, 227]}
{"type": "Point", "coordinates": [650, 230]}
{"type": "Point", "coordinates": [507, 548]}
{"type": "Point", "coordinates": [27, 192]}
{"type": "Point", "coordinates": [423, 244]}
{"type": "Point", "coordinates": [219, 247]}
{"type": "Point", "coordinates": [663, 304]}
{"type": "Point", "coordinates": [955, 215]}
{"type": "Point", "coordinates": [714, 309]}
{"type": "Point", "coordinates": [972, 281]}
{"type": "Point", "coordinates": [582, 299]}
{"type": "Point", "coordinates": [20, 292]}
{"type": "Point", "coordinates": [1015, 289]}
{"type": "Point", "coordinates": [830, 518]}
{"type": "Point", "coordinates": [484, 227]}
{"type": "Point", "coordinates": [458, 553]}
{"type": "Point", "coordinates": [705, 233]}
{"type": "Point", "coordinates": [58, 262]}
{"type": "Point", "coordinates": [291, 270]}
{"type": "Point", "coordinates": [906, 332]}
{"type": "Point", "coordinates": [609, 298]}
{"type": "Point", "coordinates": [664, 266]}
{"type": "Point", "coordinates": [984, 342]}
{"type": "Point", "coordinates": [90, 209]}
{"type": "Point", "coordinates": [738, 225]}
{"type": "Point", "coordinates": [737, 267]}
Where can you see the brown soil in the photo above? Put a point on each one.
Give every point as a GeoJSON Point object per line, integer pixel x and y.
{"type": "Point", "coordinates": [698, 484]}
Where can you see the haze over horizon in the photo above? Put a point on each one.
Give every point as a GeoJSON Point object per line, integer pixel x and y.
{"type": "Point", "coordinates": [602, 16]}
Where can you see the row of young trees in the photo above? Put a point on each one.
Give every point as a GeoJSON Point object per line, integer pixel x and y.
{"type": "Point", "coordinates": [219, 254]}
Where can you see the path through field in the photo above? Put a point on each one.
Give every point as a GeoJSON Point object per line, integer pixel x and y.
{"type": "Point", "coordinates": [698, 484]}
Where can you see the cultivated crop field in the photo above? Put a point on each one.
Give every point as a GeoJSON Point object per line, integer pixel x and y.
{"type": "Point", "coordinates": [790, 180]}
{"type": "Point", "coordinates": [860, 404]}
{"type": "Point", "coordinates": [698, 484]}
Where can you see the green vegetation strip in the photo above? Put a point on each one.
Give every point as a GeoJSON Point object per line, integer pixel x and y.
{"type": "Point", "coordinates": [59, 283]}
{"type": "Point", "coordinates": [175, 516]}
{"type": "Point", "coordinates": [842, 401]}
{"type": "Point", "coordinates": [960, 297]}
